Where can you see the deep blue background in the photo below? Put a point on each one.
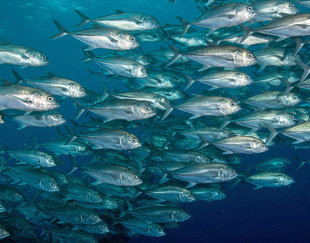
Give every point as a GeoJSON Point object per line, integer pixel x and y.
{"type": "Point", "coordinates": [246, 215]}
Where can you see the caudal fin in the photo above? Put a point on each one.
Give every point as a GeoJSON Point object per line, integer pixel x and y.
{"type": "Point", "coordinates": [18, 78]}
{"type": "Point", "coordinates": [186, 25]}
{"type": "Point", "coordinates": [62, 31]}
{"type": "Point", "coordinates": [176, 56]}
{"type": "Point", "coordinates": [84, 18]}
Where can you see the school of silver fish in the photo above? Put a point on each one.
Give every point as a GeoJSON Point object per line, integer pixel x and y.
{"type": "Point", "coordinates": [154, 139]}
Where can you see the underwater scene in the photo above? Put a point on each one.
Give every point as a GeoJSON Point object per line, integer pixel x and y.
{"type": "Point", "coordinates": [154, 121]}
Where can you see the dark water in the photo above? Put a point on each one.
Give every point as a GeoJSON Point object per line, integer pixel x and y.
{"type": "Point", "coordinates": [246, 215]}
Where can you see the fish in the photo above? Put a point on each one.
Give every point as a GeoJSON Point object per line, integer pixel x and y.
{"type": "Point", "coordinates": [129, 110]}
{"type": "Point", "coordinates": [226, 15]}
{"type": "Point", "coordinates": [269, 179]}
{"type": "Point", "coordinates": [123, 21]}
{"type": "Point", "coordinates": [105, 38]}
{"type": "Point", "coordinates": [18, 97]}
{"type": "Point", "coordinates": [200, 105]}
{"type": "Point", "coordinates": [217, 56]}
{"type": "Point", "coordinates": [21, 55]}
{"type": "Point", "coordinates": [142, 227]}
{"type": "Point", "coordinates": [54, 85]}
{"type": "Point", "coordinates": [241, 144]}
{"type": "Point", "coordinates": [109, 139]}
{"type": "Point", "coordinates": [204, 173]}
{"type": "Point", "coordinates": [39, 119]}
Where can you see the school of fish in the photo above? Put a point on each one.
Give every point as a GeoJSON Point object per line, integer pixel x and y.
{"type": "Point", "coordinates": [152, 142]}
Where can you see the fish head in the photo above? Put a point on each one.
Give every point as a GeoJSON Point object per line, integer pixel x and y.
{"type": "Point", "coordinates": [185, 196]}
{"type": "Point", "coordinates": [138, 71]}
{"type": "Point", "coordinates": [82, 148]}
{"type": "Point", "coordinates": [284, 180]}
{"type": "Point", "coordinates": [128, 41]}
{"type": "Point", "coordinates": [243, 79]}
{"type": "Point", "coordinates": [90, 218]}
{"type": "Point", "coordinates": [287, 7]}
{"type": "Point", "coordinates": [285, 119]}
{"type": "Point", "coordinates": [149, 23]}
{"type": "Point", "coordinates": [129, 141]}
{"type": "Point", "coordinates": [60, 178]}
{"type": "Point", "coordinates": [227, 174]}
{"type": "Point", "coordinates": [93, 197]}
{"type": "Point", "coordinates": [76, 90]}
{"type": "Point", "coordinates": [110, 203]}
{"type": "Point", "coordinates": [290, 99]}
{"type": "Point", "coordinates": [161, 102]}
{"type": "Point", "coordinates": [15, 197]}
{"type": "Point", "coordinates": [258, 146]}
{"type": "Point", "coordinates": [219, 195]}
{"type": "Point", "coordinates": [37, 58]}
{"type": "Point", "coordinates": [245, 12]}
{"type": "Point", "coordinates": [244, 58]}
{"type": "Point", "coordinates": [143, 60]}
{"type": "Point", "coordinates": [101, 228]}
{"type": "Point", "coordinates": [48, 184]}
{"type": "Point", "coordinates": [202, 159]}
{"type": "Point", "coordinates": [43, 101]}
{"type": "Point", "coordinates": [175, 94]}
{"type": "Point", "coordinates": [130, 178]}
{"type": "Point", "coordinates": [3, 232]}
{"type": "Point", "coordinates": [2, 207]}
{"type": "Point", "coordinates": [155, 230]}
{"type": "Point", "coordinates": [179, 215]}
{"type": "Point", "coordinates": [53, 118]}
{"type": "Point", "coordinates": [228, 106]}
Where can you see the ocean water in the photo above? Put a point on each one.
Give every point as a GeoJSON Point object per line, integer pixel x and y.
{"type": "Point", "coordinates": [246, 215]}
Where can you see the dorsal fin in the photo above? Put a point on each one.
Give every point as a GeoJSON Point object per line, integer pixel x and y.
{"type": "Point", "coordinates": [50, 74]}
{"type": "Point", "coordinates": [5, 82]}
{"type": "Point", "coordinates": [119, 11]}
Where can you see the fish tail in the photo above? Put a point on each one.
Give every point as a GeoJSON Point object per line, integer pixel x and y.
{"type": "Point", "coordinates": [190, 81]}
{"type": "Point", "coordinates": [176, 56]}
{"type": "Point", "coordinates": [247, 31]}
{"type": "Point", "coordinates": [3, 165]}
{"type": "Point", "coordinates": [84, 18]}
{"type": "Point", "coordinates": [306, 72]}
{"type": "Point", "coordinates": [186, 25]}
{"type": "Point", "coordinates": [301, 161]}
{"type": "Point", "coordinates": [62, 31]}
{"type": "Point", "coordinates": [18, 78]}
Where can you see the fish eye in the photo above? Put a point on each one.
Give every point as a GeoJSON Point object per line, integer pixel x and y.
{"type": "Point", "coordinates": [250, 55]}
{"type": "Point", "coordinates": [174, 80]}
{"type": "Point", "coordinates": [50, 99]}
{"type": "Point", "coordinates": [58, 116]}
{"type": "Point", "coordinates": [247, 77]}
{"type": "Point", "coordinates": [132, 38]}
{"type": "Point", "coordinates": [295, 97]}
{"type": "Point", "coordinates": [148, 108]}
{"type": "Point", "coordinates": [250, 8]}
{"type": "Point", "coordinates": [52, 184]}
{"type": "Point", "coordinates": [292, 117]}
{"type": "Point", "coordinates": [135, 177]}
{"type": "Point", "coordinates": [291, 6]}
{"type": "Point", "coordinates": [134, 140]}
{"type": "Point", "coordinates": [93, 216]}
{"type": "Point", "coordinates": [263, 145]}
{"type": "Point", "coordinates": [82, 89]}
{"type": "Point", "coordinates": [43, 56]}
{"type": "Point", "coordinates": [297, 56]}
{"type": "Point", "coordinates": [233, 103]}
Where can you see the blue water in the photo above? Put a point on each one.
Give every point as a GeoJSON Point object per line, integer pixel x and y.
{"type": "Point", "coordinates": [246, 215]}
